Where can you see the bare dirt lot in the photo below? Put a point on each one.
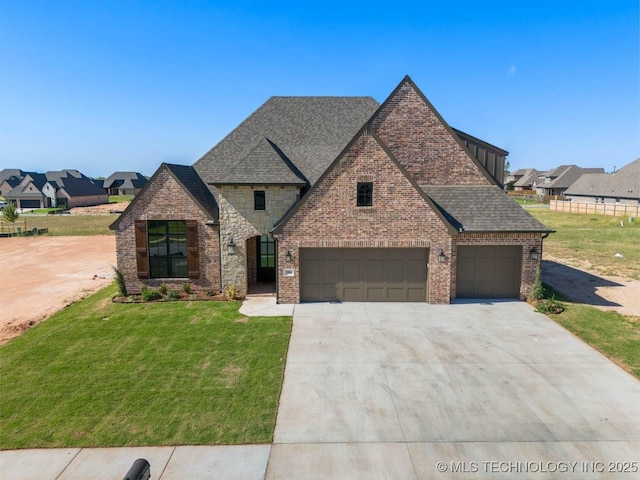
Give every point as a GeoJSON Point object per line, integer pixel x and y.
{"type": "Point", "coordinates": [601, 291]}
{"type": "Point", "coordinates": [41, 275]}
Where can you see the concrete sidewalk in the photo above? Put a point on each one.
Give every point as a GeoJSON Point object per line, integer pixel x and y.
{"type": "Point", "coordinates": [167, 463]}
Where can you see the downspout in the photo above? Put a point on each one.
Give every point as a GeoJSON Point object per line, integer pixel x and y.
{"type": "Point", "coordinates": [277, 249]}
{"type": "Point", "coordinates": [220, 253]}
{"type": "Point", "coordinates": [542, 243]}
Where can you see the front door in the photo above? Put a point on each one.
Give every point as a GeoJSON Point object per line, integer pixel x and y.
{"type": "Point", "coordinates": [266, 259]}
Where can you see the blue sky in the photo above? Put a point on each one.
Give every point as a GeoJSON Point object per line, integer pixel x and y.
{"type": "Point", "coordinates": [125, 85]}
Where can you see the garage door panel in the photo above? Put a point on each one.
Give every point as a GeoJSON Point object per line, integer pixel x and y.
{"type": "Point", "coordinates": [488, 271]}
{"type": "Point", "coordinates": [363, 274]}
{"type": "Point", "coordinates": [375, 271]}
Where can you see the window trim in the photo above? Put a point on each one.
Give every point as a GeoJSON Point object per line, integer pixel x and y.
{"type": "Point", "coordinates": [257, 202]}
{"type": "Point", "coordinates": [364, 198]}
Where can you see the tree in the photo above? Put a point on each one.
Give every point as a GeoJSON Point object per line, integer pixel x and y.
{"type": "Point", "coordinates": [10, 212]}
{"type": "Point", "coordinates": [507, 168]}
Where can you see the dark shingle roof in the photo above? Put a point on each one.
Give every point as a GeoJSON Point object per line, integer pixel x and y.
{"type": "Point", "coordinates": [310, 131]}
{"type": "Point", "coordinates": [529, 176]}
{"type": "Point", "coordinates": [194, 185]}
{"type": "Point", "coordinates": [481, 209]}
{"type": "Point", "coordinates": [7, 173]}
{"type": "Point", "coordinates": [80, 187]}
{"type": "Point", "coordinates": [265, 164]}
{"type": "Point", "coordinates": [625, 183]}
{"type": "Point", "coordinates": [125, 180]}
{"type": "Point", "coordinates": [187, 177]}
{"type": "Point", "coordinates": [565, 175]}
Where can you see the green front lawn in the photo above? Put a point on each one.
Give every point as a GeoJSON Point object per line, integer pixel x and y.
{"type": "Point", "coordinates": [614, 335]}
{"type": "Point", "coordinates": [101, 374]}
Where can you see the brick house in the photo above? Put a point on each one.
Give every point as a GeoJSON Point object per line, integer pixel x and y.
{"type": "Point", "coordinates": [336, 198]}
{"type": "Point", "coordinates": [621, 187]}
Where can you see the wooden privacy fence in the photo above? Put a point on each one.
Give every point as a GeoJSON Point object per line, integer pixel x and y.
{"type": "Point", "coordinates": [614, 209]}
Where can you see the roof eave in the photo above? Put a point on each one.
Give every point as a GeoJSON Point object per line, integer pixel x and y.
{"type": "Point", "coordinates": [249, 184]}
{"type": "Point", "coordinates": [471, 230]}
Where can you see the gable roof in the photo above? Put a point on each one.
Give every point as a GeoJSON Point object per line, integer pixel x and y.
{"type": "Point", "coordinates": [124, 180]}
{"type": "Point", "coordinates": [20, 191]}
{"type": "Point", "coordinates": [365, 130]}
{"type": "Point", "coordinates": [462, 152]}
{"type": "Point", "coordinates": [564, 176]}
{"type": "Point", "coordinates": [481, 208]}
{"type": "Point", "coordinates": [529, 176]}
{"type": "Point", "coordinates": [490, 209]}
{"type": "Point", "coordinates": [625, 183]}
{"type": "Point", "coordinates": [266, 164]}
{"type": "Point", "coordinates": [80, 187]}
{"type": "Point", "coordinates": [310, 131]}
{"type": "Point", "coordinates": [7, 173]}
{"type": "Point", "coordinates": [190, 181]}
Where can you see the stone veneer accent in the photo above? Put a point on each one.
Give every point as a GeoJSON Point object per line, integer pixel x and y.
{"type": "Point", "coordinates": [165, 199]}
{"type": "Point", "coordinates": [400, 217]}
{"type": "Point", "coordinates": [527, 240]}
{"type": "Point", "coordinates": [416, 134]}
{"type": "Point", "coordinates": [239, 220]}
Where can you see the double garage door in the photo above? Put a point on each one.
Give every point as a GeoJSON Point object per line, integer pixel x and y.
{"type": "Point", "coordinates": [363, 274]}
{"type": "Point", "coordinates": [488, 271]}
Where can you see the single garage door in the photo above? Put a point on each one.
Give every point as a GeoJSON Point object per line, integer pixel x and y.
{"type": "Point", "coordinates": [363, 274]}
{"type": "Point", "coordinates": [488, 272]}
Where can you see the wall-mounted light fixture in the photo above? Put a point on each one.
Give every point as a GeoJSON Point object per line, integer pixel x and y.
{"type": "Point", "coordinates": [533, 254]}
{"type": "Point", "coordinates": [287, 256]}
{"type": "Point", "coordinates": [442, 258]}
{"type": "Point", "coordinates": [231, 247]}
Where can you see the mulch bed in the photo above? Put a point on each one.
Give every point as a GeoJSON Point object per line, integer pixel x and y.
{"type": "Point", "coordinates": [197, 296]}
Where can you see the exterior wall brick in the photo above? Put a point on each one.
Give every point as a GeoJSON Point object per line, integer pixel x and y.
{"type": "Point", "coordinates": [422, 144]}
{"type": "Point", "coordinates": [167, 200]}
{"type": "Point", "coordinates": [240, 222]}
{"type": "Point", "coordinates": [400, 217]}
{"type": "Point", "coordinates": [527, 240]}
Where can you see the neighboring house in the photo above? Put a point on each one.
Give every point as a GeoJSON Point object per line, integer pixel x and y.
{"type": "Point", "coordinates": [28, 192]}
{"type": "Point", "coordinates": [9, 179]}
{"type": "Point", "coordinates": [526, 180]}
{"type": "Point", "coordinates": [556, 181]}
{"type": "Point", "coordinates": [622, 186]}
{"type": "Point", "coordinates": [124, 183]}
{"type": "Point", "coordinates": [335, 198]}
{"type": "Point", "coordinates": [56, 188]}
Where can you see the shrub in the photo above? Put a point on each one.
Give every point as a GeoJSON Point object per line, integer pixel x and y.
{"type": "Point", "coordinates": [186, 288]}
{"type": "Point", "coordinates": [231, 292]}
{"type": "Point", "coordinates": [122, 288]}
{"type": "Point", "coordinates": [149, 295]}
{"type": "Point", "coordinates": [163, 289]}
{"type": "Point", "coordinates": [174, 295]}
{"type": "Point", "coordinates": [549, 305]}
{"type": "Point", "coordinates": [537, 290]}
{"type": "Point", "coordinates": [10, 212]}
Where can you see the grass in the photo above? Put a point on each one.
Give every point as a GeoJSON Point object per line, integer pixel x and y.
{"type": "Point", "coordinates": [120, 198]}
{"type": "Point", "coordinates": [71, 225]}
{"type": "Point", "coordinates": [614, 335]}
{"type": "Point", "coordinates": [591, 241]}
{"type": "Point", "coordinates": [101, 374]}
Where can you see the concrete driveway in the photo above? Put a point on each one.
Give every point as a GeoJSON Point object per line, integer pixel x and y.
{"type": "Point", "coordinates": [453, 391]}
